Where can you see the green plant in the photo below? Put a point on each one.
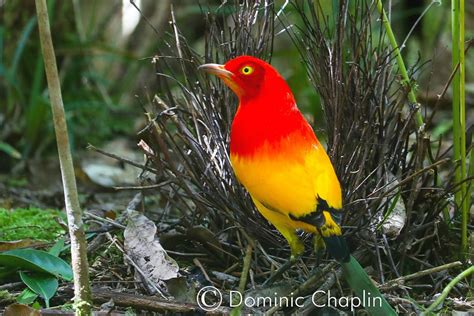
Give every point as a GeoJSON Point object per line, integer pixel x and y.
{"type": "Point", "coordinates": [459, 118]}
{"type": "Point", "coordinates": [401, 64]}
{"type": "Point", "coordinates": [9, 150]}
{"type": "Point", "coordinates": [39, 271]}
{"type": "Point", "coordinates": [447, 289]}
{"type": "Point", "coordinates": [90, 90]}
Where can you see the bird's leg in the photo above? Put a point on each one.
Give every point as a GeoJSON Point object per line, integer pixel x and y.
{"type": "Point", "coordinates": [297, 249]}
{"type": "Point", "coordinates": [318, 246]}
{"type": "Point", "coordinates": [285, 267]}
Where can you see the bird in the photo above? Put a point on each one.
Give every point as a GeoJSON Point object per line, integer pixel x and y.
{"type": "Point", "coordinates": [278, 158]}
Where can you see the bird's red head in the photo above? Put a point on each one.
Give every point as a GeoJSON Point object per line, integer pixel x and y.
{"type": "Point", "coordinates": [247, 76]}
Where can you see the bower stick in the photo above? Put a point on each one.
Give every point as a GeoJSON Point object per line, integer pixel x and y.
{"type": "Point", "coordinates": [82, 292]}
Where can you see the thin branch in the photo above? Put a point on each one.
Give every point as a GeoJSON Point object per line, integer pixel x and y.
{"type": "Point", "coordinates": [80, 267]}
{"type": "Point", "coordinates": [419, 274]}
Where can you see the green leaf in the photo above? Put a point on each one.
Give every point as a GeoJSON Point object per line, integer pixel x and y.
{"type": "Point", "coordinates": [363, 287]}
{"type": "Point", "coordinates": [57, 247]}
{"type": "Point", "coordinates": [45, 285]}
{"type": "Point", "coordinates": [36, 260]}
{"type": "Point", "coordinates": [22, 44]}
{"type": "Point", "coordinates": [9, 150]}
{"type": "Point", "coordinates": [27, 297]}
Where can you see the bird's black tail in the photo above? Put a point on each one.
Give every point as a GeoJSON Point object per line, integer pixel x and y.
{"type": "Point", "coordinates": [336, 246]}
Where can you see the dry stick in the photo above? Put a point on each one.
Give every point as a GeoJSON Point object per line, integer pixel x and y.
{"type": "Point", "coordinates": [244, 277]}
{"type": "Point", "coordinates": [446, 86]}
{"type": "Point", "coordinates": [105, 219]}
{"type": "Point", "coordinates": [82, 291]}
{"type": "Point", "coordinates": [315, 279]}
{"type": "Point", "coordinates": [419, 274]}
{"type": "Point", "coordinates": [410, 177]}
{"type": "Point", "coordinates": [448, 288]}
{"type": "Point", "coordinates": [309, 285]}
{"type": "Point", "coordinates": [152, 303]}
{"type": "Point", "coordinates": [320, 296]}
{"type": "Point", "coordinates": [146, 187]}
{"type": "Point", "coordinates": [201, 267]}
{"type": "Point", "coordinates": [125, 160]}
{"type": "Point", "coordinates": [246, 268]}
{"type": "Point", "coordinates": [11, 286]}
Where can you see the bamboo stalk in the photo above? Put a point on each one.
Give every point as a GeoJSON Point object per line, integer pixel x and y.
{"type": "Point", "coordinates": [401, 64]}
{"type": "Point", "coordinates": [462, 140]}
{"type": "Point", "coordinates": [82, 292]}
{"type": "Point", "coordinates": [459, 116]}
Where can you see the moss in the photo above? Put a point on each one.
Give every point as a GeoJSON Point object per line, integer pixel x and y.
{"type": "Point", "coordinates": [33, 223]}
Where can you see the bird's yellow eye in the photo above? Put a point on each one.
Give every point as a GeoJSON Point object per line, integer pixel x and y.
{"type": "Point", "coordinates": [247, 70]}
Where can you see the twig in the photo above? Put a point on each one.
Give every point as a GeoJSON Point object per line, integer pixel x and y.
{"type": "Point", "coordinates": [200, 266]}
{"type": "Point", "coordinates": [125, 160]}
{"type": "Point", "coordinates": [419, 274]}
{"type": "Point", "coordinates": [243, 278]}
{"type": "Point", "coordinates": [145, 17]}
{"type": "Point", "coordinates": [146, 187]}
{"type": "Point", "coordinates": [328, 283]}
{"type": "Point", "coordinates": [307, 286]}
{"type": "Point", "coordinates": [410, 177]}
{"type": "Point", "coordinates": [106, 220]}
{"type": "Point", "coordinates": [176, 34]}
{"type": "Point", "coordinates": [447, 289]}
{"type": "Point", "coordinates": [11, 286]}
{"type": "Point", "coordinates": [190, 254]}
{"type": "Point", "coordinates": [310, 284]}
{"type": "Point", "coordinates": [420, 17]}
{"type": "Point", "coordinates": [82, 291]}
{"type": "Point", "coordinates": [246, 268]}
{"type": "Point", "coordinates": [448, 83]}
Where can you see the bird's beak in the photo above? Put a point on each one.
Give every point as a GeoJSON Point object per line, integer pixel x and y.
{"type": "Point", "coordinates": [217, 70]}
{"type": "Point", "coordinates": [226, 76]}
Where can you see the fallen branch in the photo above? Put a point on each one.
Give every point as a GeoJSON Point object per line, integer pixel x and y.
{"type": "Point", "coordinates": [151, 303]}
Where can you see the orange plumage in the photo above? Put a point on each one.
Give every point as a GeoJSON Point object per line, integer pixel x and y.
{"type": "Point", "coordinates": [276, 155]}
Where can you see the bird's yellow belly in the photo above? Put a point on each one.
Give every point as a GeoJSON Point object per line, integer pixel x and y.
{"type": "Point", "coordinates": [277, 182]}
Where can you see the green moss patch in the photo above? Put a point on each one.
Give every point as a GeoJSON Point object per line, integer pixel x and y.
{"type": "Point", "coordinates": [32, 223]}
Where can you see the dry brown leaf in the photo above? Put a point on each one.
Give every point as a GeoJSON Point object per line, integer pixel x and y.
{"type": "Point", "coordinates": [144, 248]}
{"type": "Point", "coordinates": [20, 310]}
